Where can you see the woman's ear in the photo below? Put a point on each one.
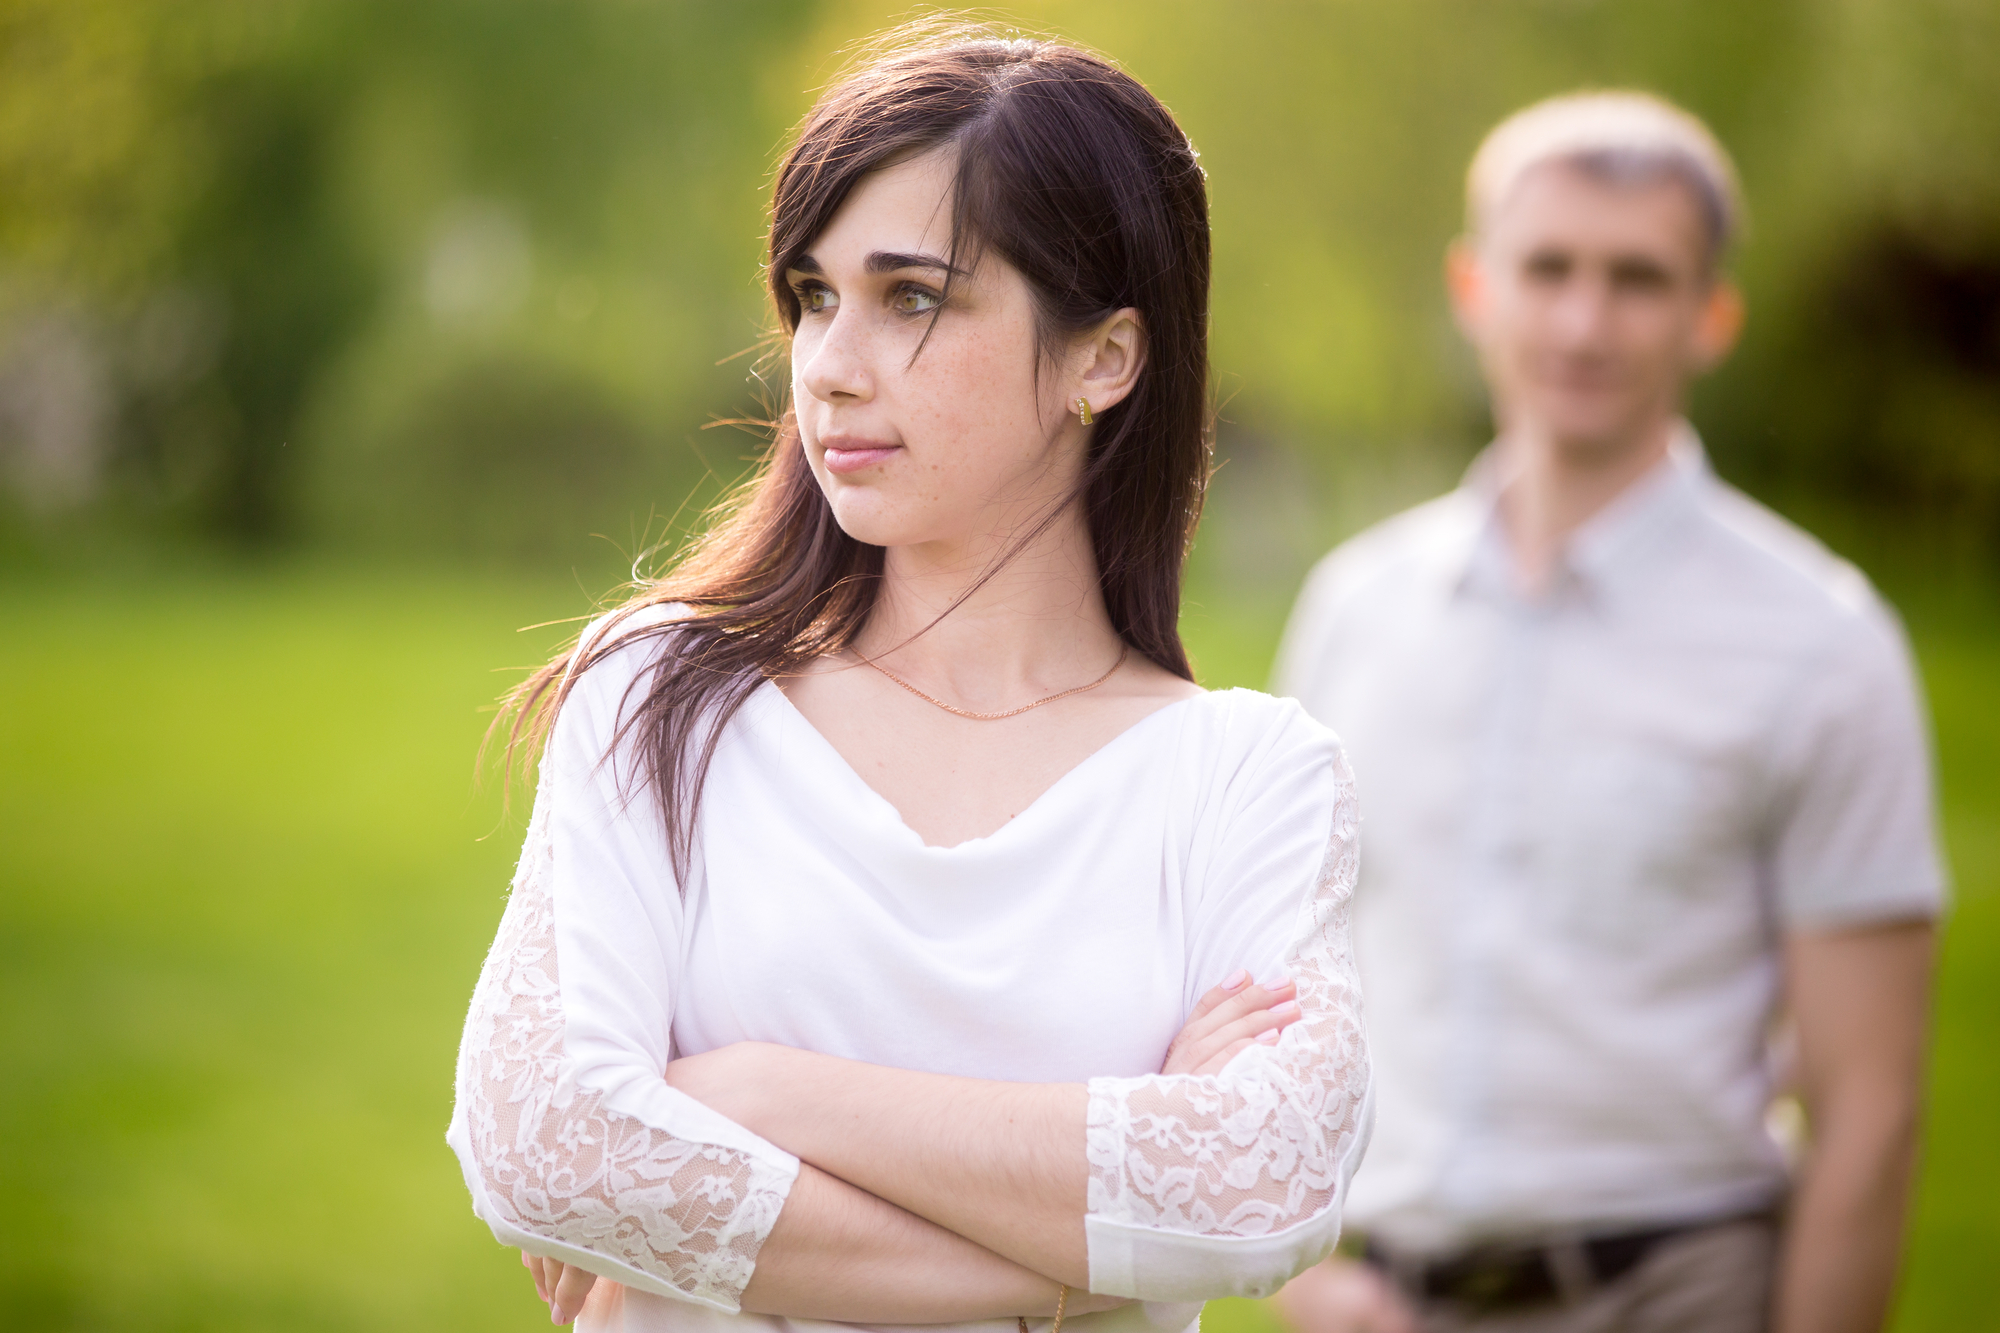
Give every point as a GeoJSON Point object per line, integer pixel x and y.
{"type": "Point", "coordinates": [1112, 357]}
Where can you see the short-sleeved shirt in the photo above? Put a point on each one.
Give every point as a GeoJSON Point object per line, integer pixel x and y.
{"type": "Point", "coordinates": [1591, 817]}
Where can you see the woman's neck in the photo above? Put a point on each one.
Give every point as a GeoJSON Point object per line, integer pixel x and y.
{"type": "Point", "coordinates": [1036, 625]}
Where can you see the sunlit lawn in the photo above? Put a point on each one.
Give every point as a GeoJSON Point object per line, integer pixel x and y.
{"type": "Point", "coordinates": [244, 894]}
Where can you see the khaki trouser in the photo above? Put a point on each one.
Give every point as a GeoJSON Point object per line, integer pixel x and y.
{"type": "Point", "coordinates": [1715, 1280]}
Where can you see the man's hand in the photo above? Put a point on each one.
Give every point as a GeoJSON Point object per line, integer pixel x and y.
{"type": "Point", "coordinates": [563, 1286]}
{"type": "Point", "coordinates": [1342, 1296]}
{"type": "Point", "coordinates": [1229, 1018]}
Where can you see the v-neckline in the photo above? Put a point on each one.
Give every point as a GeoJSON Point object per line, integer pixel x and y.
{"type": "Point", "coordinates": [853, 776]}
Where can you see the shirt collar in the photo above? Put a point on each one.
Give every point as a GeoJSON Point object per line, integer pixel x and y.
{"type": "Point", "coordinates": [1608, 550]}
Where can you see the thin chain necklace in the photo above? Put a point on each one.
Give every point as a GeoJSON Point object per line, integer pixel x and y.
{"type": "Point", "coordinates": [1123, 649]}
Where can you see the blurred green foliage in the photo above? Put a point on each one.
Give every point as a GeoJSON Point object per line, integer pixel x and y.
{"type": "Point", "coordinates": [455, 276]}
{"type": "Point", "coordinates": [314, 267]}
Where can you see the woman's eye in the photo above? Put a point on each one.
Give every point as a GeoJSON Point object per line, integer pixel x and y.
{"type": "Point", "coordinates": [817, 300]}
{"type": "Point", "coordinates": [916, 301]}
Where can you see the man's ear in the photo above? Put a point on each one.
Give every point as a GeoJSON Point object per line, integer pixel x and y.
{"type": "Point", "coordinates": [1112, 358]}
{"type": "Point", "coordinates": [1720, 325]}
{"type": "Point", "coordinates": [1465, 280]}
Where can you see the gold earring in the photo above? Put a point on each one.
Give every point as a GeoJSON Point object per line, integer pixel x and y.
{"type": "Point", "coordinates": [1083, 411]}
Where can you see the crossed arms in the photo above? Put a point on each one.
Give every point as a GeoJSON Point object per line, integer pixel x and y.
{"type": "Point", "coordinates": [924, 1198]}
{"type": "Point", "coordinates": [781, 1181]}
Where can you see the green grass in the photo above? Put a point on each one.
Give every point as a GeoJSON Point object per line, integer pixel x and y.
{"type": "Point", "coordinates": [248, 898]}
{"type": "Point", "coordinates": [1957, 1228]}
{"type": "Point", "coordinates": [247, 887]}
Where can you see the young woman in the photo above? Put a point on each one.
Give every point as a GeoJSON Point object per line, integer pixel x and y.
{"type": "Point", "coordinates": [883, 946]}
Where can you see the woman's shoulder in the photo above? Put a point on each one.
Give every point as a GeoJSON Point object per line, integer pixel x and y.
{"type": "Point", "coordinates": [632, 630]}
{"type": "Point", "coordinates": [613, 651]}
{"type": "Point", "coordinates": [626, 640]}
{"type": "Point", "coordinates": [1245, 715]}
{"type": "Point", "coordinates": [1246, 736]}
{"type": "Point", "coordinates": [1260, 776]}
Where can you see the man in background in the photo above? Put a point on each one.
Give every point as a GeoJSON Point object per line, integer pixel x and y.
{"type": "Point", "coordinates": [1647, 795]}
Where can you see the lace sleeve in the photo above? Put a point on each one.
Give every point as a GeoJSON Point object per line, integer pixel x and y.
{"type": "Point", "coordinates": [676, 1202]}
{"type": "Point", "coordinates": [1229, 1184]}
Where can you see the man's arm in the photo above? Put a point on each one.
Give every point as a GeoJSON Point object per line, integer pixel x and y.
{"type": "Point", "coordinates": [1860, 999]}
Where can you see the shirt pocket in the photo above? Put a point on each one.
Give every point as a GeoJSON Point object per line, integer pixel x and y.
{"type": "Point", "coordinates": [1647, 833]}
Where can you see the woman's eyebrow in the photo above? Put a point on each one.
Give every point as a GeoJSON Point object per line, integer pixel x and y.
{"type": "Point", "coordinates": [890, 261]}
{"type": "Point", "coordinates": [882, 261]}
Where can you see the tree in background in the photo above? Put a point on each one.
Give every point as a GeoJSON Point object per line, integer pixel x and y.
{"type": "Point", "coordinates": [168, 202]}
{"type": "Point", "coordinates": [455, 276]}
{"type": "Point", "coordinates": [308, 269]}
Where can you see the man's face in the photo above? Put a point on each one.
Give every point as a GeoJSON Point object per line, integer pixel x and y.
{"type": "Point", "coordinates": [1592, 303]}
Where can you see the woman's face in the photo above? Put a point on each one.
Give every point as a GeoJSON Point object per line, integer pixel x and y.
{"type": "Point", "coordinates": [952, 445]}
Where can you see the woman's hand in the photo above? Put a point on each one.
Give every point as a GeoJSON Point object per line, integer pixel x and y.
{"type": "Point", "coordinates": [563, 1286]}
{"type": "Point", "coordinates": [1229, 1018]}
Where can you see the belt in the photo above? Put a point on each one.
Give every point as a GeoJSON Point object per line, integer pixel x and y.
{"type": "Point", "coordinates": [1496, 1278]}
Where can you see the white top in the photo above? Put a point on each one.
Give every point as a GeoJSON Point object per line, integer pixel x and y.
{"type": "Point", "coordinates": [1590, 817]}
{"type": "Point", "coordinates": [1217, 833]}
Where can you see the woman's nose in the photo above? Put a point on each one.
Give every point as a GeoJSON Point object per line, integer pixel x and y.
{"type": "Point", "coordinates": [836, 366]}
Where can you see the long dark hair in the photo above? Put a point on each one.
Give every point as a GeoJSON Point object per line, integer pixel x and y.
{"type": "Point", "coordinates": [1072, 172]}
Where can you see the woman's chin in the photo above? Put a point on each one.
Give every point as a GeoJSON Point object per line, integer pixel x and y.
{"type": "Point", "coordinates": [876, 520]}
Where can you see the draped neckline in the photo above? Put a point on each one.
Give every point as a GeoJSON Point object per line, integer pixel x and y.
{"type": "Point", "coordinates": [865, 793]}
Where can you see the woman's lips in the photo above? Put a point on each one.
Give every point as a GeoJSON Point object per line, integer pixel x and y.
{"type": "Point", "coordinates": [853, 455]}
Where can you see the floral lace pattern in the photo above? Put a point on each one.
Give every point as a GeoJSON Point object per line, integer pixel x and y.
{"type": "Point", "coordinates": [678, 1216]}
{"type": "Point", "coordinates": [1265, 1143]}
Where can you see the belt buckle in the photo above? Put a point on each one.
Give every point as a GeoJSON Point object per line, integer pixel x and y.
{"type": "Point", "coordinates": [1494, 1281]}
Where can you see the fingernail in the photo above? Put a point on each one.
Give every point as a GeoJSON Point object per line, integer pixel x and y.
{"type": "Point", "coordinates": [1285, 1012]}
{"type": "Point", "coordinates": [1237, 980]}
{"type": "Point", "coordinates": [1278, 981]}
{"type": "Point", "coordinates": [1269, 1038]}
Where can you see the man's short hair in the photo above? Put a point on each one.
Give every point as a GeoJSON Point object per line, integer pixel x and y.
{"type": "Point", "coordinates": [1621, 137]}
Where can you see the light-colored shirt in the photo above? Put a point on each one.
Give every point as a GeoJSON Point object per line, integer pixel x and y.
{"type": "Point", "coordinates": [1067, 946]}
{"type": "Point", "coordinates": [1591, 817]}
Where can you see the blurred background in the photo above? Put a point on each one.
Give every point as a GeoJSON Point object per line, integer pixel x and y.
{"type": "Point", "coordinates": [341, 339]}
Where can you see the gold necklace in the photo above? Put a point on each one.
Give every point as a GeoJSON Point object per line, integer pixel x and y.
{"type": "Point", "coordinates": [1123, 649]}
